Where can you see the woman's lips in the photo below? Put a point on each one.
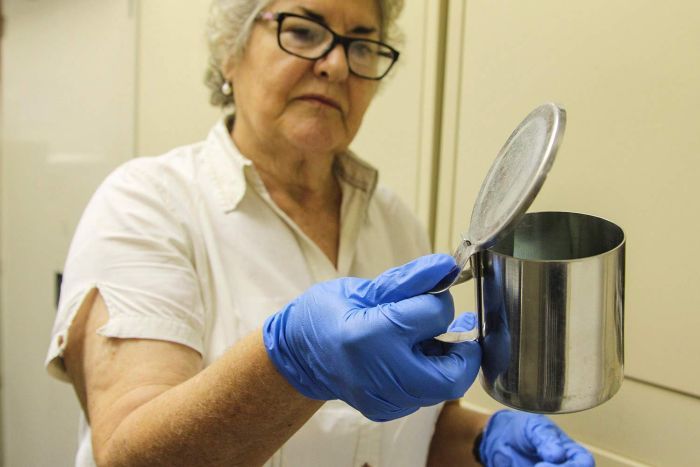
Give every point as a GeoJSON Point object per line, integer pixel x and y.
{"type": "Point", "coordinates": [322, 100]}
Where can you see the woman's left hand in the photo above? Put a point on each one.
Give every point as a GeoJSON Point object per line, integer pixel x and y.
{"type": "Point", "coordinates": [518, 439]}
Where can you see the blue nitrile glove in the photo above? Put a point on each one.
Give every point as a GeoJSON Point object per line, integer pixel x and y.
{"type": "Point", "coordinates": [463, 323]}
{"type": "Point", "coordinates": [519, 439]}
{"type": "Point", "coordinates": [358, 340]}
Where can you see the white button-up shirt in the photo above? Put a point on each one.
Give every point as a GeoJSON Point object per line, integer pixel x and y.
{"type": "Point", "coordinates": [189, 247]}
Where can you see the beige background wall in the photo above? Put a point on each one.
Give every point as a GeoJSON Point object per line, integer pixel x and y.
{"type": "Point", "coordinates": [67, 112]}
{"type": "Point", "coordinates": [628, 73]}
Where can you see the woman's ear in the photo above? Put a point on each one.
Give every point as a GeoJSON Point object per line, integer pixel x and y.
{"type": "Point", "coordinates": [228, 69]}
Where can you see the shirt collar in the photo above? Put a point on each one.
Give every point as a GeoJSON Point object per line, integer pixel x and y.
{"type": "Point", "coordinates": [228, 167]}
{"type": "Point", "coordinates": [351, 169]}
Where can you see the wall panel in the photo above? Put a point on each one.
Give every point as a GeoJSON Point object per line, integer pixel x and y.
{"type": "Point", "coordinates": [627, 72]}
{"type": "Point", "coordinates": [629, 78]}
{"type": "Point", "coordinates": [67, 120]}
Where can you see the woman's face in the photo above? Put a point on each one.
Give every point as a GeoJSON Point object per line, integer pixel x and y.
{"type": "Point", "coordinates": [312, 105]}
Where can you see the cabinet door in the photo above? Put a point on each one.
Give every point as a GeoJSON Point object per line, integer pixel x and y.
{"type": "Point", "coordinates": [67, 120]}
{"type": "Point", "coordinates": [629, 76]}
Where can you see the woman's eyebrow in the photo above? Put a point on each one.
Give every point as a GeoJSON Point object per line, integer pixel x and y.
{"type": "Point", "coordinates": [321, 19]}
{"type": "Point", "coordinates": [313, 15]}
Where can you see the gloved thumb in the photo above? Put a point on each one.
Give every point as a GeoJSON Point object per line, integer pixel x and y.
{"type": "Point", "coordinates": [463, 323]}
{"type": "Point", "coordinates": [414, 278]}
{"type": "Point", "coordinates": [460, 365]}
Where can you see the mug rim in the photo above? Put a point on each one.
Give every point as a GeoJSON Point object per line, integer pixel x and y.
{"type": "Point", "coordinates": [619, 245]}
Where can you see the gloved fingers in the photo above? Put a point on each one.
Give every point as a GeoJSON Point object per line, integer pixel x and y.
{"type": "Point", "coordinates": [546, 438]}
{"type": "Point", "coordinates": [577, 455]}
{"type": "Point", "coordinates": [421, 317]}
{"type": "Point", "coordinates": [389, 416]}
{"type": "Point", "coordinates": [414, 278]}
{"type": "Point", "coordinates": [552, 451]}
{"type": "Point", "coordinates": [506, 456]}
{"type": "Point", "coordinates": [578, 461]}
{"type": "Point", "coordinates": [384, 410]}
{"type": "Point", "coordinates": [432, 347]}
{"type": "Point", "coordinates": [451, 374]}
{"type": "Point", "coordinates": [556, 448]}
{"type": "Point", "coordinates": [463, 323]}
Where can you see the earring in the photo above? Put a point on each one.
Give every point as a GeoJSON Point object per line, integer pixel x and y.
{"type": "Point", "coordinates": [226, 88]}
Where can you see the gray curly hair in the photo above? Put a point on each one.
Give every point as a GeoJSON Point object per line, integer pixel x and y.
{"type": "Point", "coordinates": [228, 29]}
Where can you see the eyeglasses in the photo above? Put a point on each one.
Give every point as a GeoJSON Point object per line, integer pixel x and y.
{"type": "Point", "coordinates": [309, 39]}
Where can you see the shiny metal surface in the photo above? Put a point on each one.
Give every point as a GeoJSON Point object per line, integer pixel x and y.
{"type": "Point", "coordinates": [516, 175]}
{"type": "Point", "coordinates": [551, 313]}
{"type": "Point", "coordinates": [461, 255]}
{"type": "Point", "coordinates": [455, 337]}
{"type": "Point", "coordinates": [511, 185]}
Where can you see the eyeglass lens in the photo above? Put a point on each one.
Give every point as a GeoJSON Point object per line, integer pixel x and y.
{"type": "Point", "coordinates": [309, 39]}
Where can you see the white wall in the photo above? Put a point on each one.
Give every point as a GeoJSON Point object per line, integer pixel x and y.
{"type": "Point", "coordinates": [67, 120]}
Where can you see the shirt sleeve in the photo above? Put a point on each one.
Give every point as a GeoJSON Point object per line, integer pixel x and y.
{"type": "Point", "coordinates": [134, 244]}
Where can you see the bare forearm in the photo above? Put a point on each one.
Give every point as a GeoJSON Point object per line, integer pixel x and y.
{"type": "Point", "coordinates": [237, 411]}
{"type": "Point", "coordinates": [453, 439]}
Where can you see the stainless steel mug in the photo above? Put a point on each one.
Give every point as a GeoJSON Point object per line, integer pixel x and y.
{"type": "Point", "coordinates": [550, 298]}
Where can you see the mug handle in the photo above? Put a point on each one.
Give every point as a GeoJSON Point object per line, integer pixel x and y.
{"type": "Point", "coordinates": [461, 256]}
{"type": "Point", "coordinates": [453, 337]}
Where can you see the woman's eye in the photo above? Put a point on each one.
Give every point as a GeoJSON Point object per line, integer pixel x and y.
{"type": "Point", "coordinates": [363, 49]}
{"type": "Point", "coordinates": [301, 34]}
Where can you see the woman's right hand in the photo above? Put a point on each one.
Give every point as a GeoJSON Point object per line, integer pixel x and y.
{"type": "Point", "coordinates": [359, 341]}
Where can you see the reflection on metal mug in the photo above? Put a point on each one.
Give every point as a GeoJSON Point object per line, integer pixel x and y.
{"type": "Point", "coordinates": [550, 298]}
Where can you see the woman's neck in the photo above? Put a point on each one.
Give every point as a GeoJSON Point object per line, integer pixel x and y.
{"type": "Point", "coordinates": [304, 187]}
{"type": "Point", "coordinates": [303, 176]}
{"type": "Point", "coordinates": [305, 179]}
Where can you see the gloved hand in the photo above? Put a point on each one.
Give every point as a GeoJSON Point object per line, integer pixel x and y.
{"type": "Point", "coordinates": [359, 341]}
{"type": "Point", "coordinates": [463, 323]}
{"type": "Point", "coordinates": [519, 439]}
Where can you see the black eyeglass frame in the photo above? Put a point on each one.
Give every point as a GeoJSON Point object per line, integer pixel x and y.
{"type": "Point", "coordinates": [337, 39]}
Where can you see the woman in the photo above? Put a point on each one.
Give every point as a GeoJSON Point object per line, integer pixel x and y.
{"type": "Point", "coordinates": [178, 324]}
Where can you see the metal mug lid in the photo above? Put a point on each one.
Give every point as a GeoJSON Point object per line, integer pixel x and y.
{"type": "Point", "coordinates": [516, 176]}
{"type": "Point", "coordinates": [510, 187]}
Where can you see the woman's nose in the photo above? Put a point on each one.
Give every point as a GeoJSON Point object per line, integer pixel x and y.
{"type": "Point", "coordinates": [334, 65]}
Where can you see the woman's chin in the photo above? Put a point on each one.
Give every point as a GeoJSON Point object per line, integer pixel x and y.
{"type": "Point", "coordinates": [318, 139]}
